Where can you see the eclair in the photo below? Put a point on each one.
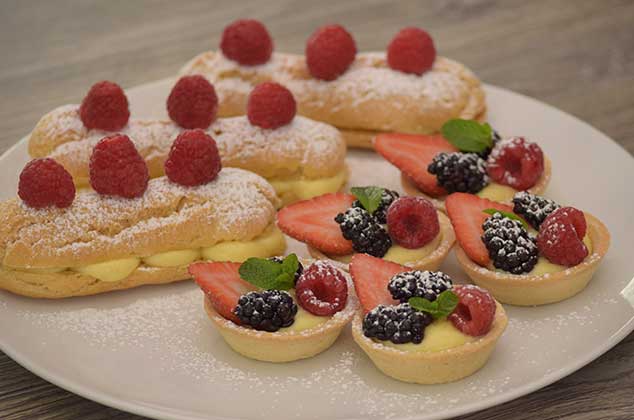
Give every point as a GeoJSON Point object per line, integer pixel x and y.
{"type": "Point", "coordinates": [130, 230]}
{"type": "Point", "coordinates": [405, 89]}
{"type": "Point", "coordinates": [298, 156]}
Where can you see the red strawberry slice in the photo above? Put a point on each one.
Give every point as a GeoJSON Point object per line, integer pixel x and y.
{"type": "Point", "coordinates": [412, 154]}
{"type": "Point", "coordinates": [222, 284]}
{"type": "Point", "coordinates": [313, 222]}
{"type": "Point", "coordinates": [371, 276]}
{"type": "Point", "coordinates": [466, 214]}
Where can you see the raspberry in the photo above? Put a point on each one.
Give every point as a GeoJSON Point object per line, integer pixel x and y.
{"type": "Point", "coordinates": [516, 163]}
{"type": "Point", "coordinates": [105, 107]}
{"type": "Point", "coordinates": [117, 168]}
{"type": "Point", "coordinates": [411, 51]}
{"type": "Point", "coordinates": [193, 159]}
{"type": "Point", "coordinates": [412, 222]}
{"type": "Point", "coordinates": [560, 237]}
{"type": "Point", "coordinates": [44, 183]}
{"type": "Point", "coordinates": [329, 52]}
{"type": "Point", "coordinates": [322, 289]}
{"type": "Point", "coordinates": [193, 102]}
{"type": "Point", "coordinates": [247, 41]}
{"type": "Point", "coordinates": [475, 311]}
{"type": "Point", "coordinates": [271, 105]}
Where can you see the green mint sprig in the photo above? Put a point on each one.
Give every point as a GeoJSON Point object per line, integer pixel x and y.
{"type": "Point", "coordinates": [444, 304]}
{"type": "Point", "coordinates": [468, 135]}
{"type": "Point", "coordinates": [369, 197]}
{"type": "Point", "coordinates": [269, 275]}
{"type": "Point", "coordinates": [508, 215]}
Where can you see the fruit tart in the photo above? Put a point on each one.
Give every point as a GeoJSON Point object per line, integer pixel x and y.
{"type": "Point", "coordinates": [300, 157]}
{"type": "Point", "coordinates": [130, 230]}
{"type": "Point", "coordinates": [277, 309]}
{"type": "Point", "coordinates": [371, 220]}
{"type": "Point", "coordinates": [407, 88]}
{"type": "Point", "coordinates": [466, 157]}
{"type": "Point", "coordinates": [417, 326]}
{"type": "Point", "coordinates": [531, 253]}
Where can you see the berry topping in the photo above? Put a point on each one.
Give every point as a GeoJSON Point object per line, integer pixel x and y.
{"type": "Point", "coordinates": [222, 284]}
{"type": "Point", "coordinates": [44, 183]}
{"type": "Point", "coordinates": [475, 311]}
{"type": "Point", "coordinates": [298, 273]}
{"type": "Point", "coordinates": [560, 237]}
{"type": "Point", "coordinates": [117, 168]}
{"type": "Point", "coordinates": [329, 52]}
{"type": "Point", "coordinates": [516, 163]}
{"type": "Point", "coordinates": [424, 284]}
{"type": "Point", "coordinates": [105, 107]}
{"type": "Point", "coordinates": [193, 159]}
{"type": "Point", "coordinates": [271, 105]}
{"type": "Point", "coordinates": [533, 208]}
{"type": "Point", "coordinates": [399, 324]}
{"type": "Point", "coordinates": [366, 234]}
{"type": "Point", "coordinates": [312, 222]}
{"type": "Point", "coordinates": [247, 41]}
{"type": "Point", "coordinates": [412, 222]}
{"type": "Point", "coordinates": [459, 172]}
{"type": "Point", "coordinates": [371, 276]}
{"type": "Point", "coordinates": [268, 310]}
{"type": "Point", "coordinates": [412, 154]}
{"type": "Point", "coordinates": [510, 246]}
{"type": "Point", "coordinates": [466, 212]}
{"type": "Point", "coordinates": [380, 214]}
{"type": "Point", "coordinates": [411, 51]}
{"type": "Point", "coordinates": [193, 102]}
{"type": "Point", "coordinates": [495, 136]}
{"type": "Point", "coordinates": [322, 290]}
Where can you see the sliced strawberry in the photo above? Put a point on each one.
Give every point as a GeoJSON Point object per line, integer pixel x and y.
{"type": "Point", "coordinates": [222, 284]}
{"type": "Point", "coordinates": [412, 154]}
{"type": "Point", "coordinates": [466, 214]}
{"type": "Point", "coordinates": [371, 276]}
{"type": "Point", "coordinates": [313, 222]}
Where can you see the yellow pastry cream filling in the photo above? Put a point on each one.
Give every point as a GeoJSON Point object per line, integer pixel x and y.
{"type": "Point", "coordinates": [497, 192]}
{"type": "Point", "coordinates": [304, 320]}
{"type": "Point", "coordinates": [439, 335]}
{"type": "Point", "coordinates": [270, 242]}
{"type": "Point", "coordinates": [297, 188]}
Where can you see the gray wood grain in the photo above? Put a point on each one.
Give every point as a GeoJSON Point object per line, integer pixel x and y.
{"type": "Point", "coordinates": [575, 55]}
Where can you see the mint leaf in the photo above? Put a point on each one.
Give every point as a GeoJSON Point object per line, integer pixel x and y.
{"type": "Point", "coordinates": [269, 275]}
{"type": "Point", "coordinates": [369, 197]}
{"type": "Point", "coordinates": [508, 215]}
{"type": "Point", "coordinates": [444, 304]}
{"type": "Point", "coordinates": [468, 135]}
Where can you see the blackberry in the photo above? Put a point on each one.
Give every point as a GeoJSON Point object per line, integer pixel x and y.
{"type": "Point", "coordinates": [387, 198]}
{"type": "Point", "coordinates": [459, 172]}
{"type": "Point", "coordinates": [268, 310]}
{"type": "Point", "coordinates": [510, 246]}
{"type": "Point", "coordinates": [533, 208]}
{"type": "Point", "coordinates": [366, 234]}
{"type": "Point", "coordinates": [300, 267]}
{"type": "Point", "coordinates": [425, 284]}
{"type": "Point", "coordinates": [398, 324]}
{"type": "Point", "coordinates": [486, 152]}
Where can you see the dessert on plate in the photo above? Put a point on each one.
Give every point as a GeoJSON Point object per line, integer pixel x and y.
{"type": "Point", "coordinates": [300, 157]}
{"type": "Point", "coordinates": [276, 309]}
{"type": "Point", "coordinates": [130, 230]}
{"type": "Point", "coordinates": [532, 253]}
{"type": "Point", "coordinates": [371, 220]}
{"type": "Point", "coordinates": [466, 157]}
{"type": "Point", "coordinates": [417, 326]}
{"type": "Point", "coordinates": [407, 88]}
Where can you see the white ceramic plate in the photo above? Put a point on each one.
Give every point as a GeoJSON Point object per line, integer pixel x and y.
{"type": "Point", "coordinates": [153, 352]}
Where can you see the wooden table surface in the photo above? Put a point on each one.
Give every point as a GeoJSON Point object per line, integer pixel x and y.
{"type": "Point", "coordinates": [575, 55]}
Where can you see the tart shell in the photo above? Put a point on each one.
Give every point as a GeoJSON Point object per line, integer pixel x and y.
{"type": "Point", "coordinates": [530, 290]}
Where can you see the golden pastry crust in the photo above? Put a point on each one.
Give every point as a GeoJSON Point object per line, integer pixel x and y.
{"type": "Point", "coordinates": [430, 262]}
{"type": "Point", "coordinates": [431, 367]}
{"type": "Point", "coordinates": [237, 205]}
{"type": "Point", "coordinates": [304, 147]}
{"type": "Point", "coordinates": [439, 202]}
{"type": "Point", "coordinates": [368, 96]}
{"type": "Point", "coordinates": [530, 290]}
